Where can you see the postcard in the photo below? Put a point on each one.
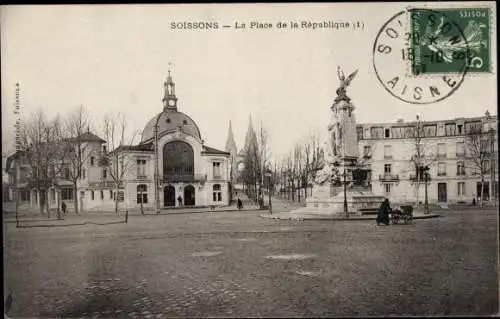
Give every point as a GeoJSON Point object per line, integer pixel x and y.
{"type": "Point", "coordinates": [250, 160]}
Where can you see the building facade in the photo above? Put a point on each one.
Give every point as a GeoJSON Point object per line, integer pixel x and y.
{"type": "Point", "coordinates": [461, 156]}
{"type": "Point", "coordinates": [170, 167]}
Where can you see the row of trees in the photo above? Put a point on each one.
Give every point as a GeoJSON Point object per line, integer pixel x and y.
{"type": "Point", "coordinates": [296, 170]}
{"type": "Point", "coordinates": [58, 149]}
{"type": "Point", "coordinates": [291, 175]}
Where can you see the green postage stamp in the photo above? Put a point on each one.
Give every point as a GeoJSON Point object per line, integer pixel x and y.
{"type": "Point", "coordinates": [451, 40]}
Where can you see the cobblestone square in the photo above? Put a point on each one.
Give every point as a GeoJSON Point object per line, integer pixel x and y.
{"type": "Point", "coordinates": [230, 264]}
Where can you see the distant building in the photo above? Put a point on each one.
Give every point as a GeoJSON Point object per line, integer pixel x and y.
{"type": "Point", "coordinates": [189, 173]}
{"type": "Point", "coordinates": [60, 187]}
{"type": "Point", "coordinates": [390, 150]}
{"type": "Point", "coordinates": [237, 158]}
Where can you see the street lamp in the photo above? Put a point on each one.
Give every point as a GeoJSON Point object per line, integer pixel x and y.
{"type": "Point", "coordinates": [345, 194]}
{"type": "Point", "coordinates": [157, 186]}
{"type": "Point", "coordinates": [269, 175]}
{"type": "Point", "coordinates": [424, 171]}
{"type": "Point", "coordinates": [426, 177]}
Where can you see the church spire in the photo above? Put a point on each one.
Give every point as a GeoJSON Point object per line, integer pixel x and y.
{"type": "Point", "coordinates": [250, 136]}
{"type": "Point", "coordinates": [169, 99]}
{"type": "Point", "coordinates": [230, 143]}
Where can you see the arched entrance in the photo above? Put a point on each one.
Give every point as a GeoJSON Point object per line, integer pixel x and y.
{"type": "Point", "coordinates": [169, 196]}
{"type": "Point", "coordinates": [189, 196]}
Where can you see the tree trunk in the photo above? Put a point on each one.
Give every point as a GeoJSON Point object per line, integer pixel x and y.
{"type": "Point", "coordinates": [46, 202]}
{"type": "Point", "coordinates": [116, 200]}
{"type": "Point", "coordinates": [38, 198]}
{"type": "Point", "coordinates": [305, 190]}
{"type": "Point", "coordinates": [482, 191]}
{"type": "Point", "coordinates": [417, 191]}
{"type": "Point", "coordinates": [75, 198]}
{"type": "Point", "coordinates": [299, 188]}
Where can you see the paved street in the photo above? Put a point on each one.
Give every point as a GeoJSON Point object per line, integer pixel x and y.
{"type": "Point", "coordinates": [236, 264]}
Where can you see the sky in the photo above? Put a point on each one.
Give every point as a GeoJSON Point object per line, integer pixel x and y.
{"type": "Point", "coordinates": [115, 58]}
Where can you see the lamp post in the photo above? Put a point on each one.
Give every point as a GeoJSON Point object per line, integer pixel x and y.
{"type": "Point", "coordinates": [345, 194]}
{"type": "Point", "coordinates": [426, 177]}
{"type": "Point", "coordinates": [269, 175]}
{"type": "Point", "coordinates": [157, 186]}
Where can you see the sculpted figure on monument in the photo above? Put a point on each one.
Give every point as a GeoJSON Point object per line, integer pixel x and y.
{"type": "Point", "coordinates": [330, 172]}
{"type": "Point", "coordinates": [344, 83]}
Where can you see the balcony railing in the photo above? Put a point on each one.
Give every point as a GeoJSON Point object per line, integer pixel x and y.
{"type": "Point", "coordinates": [101, 183]}
{"type": "Point", "coordinates": [190, 178]}
{"type": "Point", "coordinates": [388, 177]}
{"type": "Point", "coordinates": [413, 178]}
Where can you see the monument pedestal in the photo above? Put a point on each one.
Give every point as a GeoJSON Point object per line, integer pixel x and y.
{"type": "Point", "coordinates": [360, 201]}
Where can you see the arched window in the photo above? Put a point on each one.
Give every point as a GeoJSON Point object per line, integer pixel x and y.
{"type": "Point", "coordinates": [217, 194]}
{"type": "Point", "coordinates": [178, 159]}
{"type": "Point", "coordinates": [142, 194]}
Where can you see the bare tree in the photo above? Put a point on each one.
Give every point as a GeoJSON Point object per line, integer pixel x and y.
{"type": "Point", "coordinates": [298, 169]}
{"type": "Point", "coordinates": [313, 157]}
{"type": "Point", "coordinates": [253, 170]}
{"type": "Point", "coordinates": [479, 150]}
{"type": "Point", "coordinates": [366, 159]}
{"type": "Point", "coordinates": [118, 159]}
{"type": "Point", "coordinates": [76, 124]}
{"type": "Point", "coordinates": [263, 157]}
{"type": "Point", "coordinates": [42, 141]}
{"type": "Point", "coordinates": [421, 157]}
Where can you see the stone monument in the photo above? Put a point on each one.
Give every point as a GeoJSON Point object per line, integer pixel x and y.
{"type": "Point", "coordinates": [342, 180]}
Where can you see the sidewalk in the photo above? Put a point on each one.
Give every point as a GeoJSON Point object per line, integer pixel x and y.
{"type": "Point", "coordinates": [72, 220]}
{"type": "Point", "coordinates": [193, 210]}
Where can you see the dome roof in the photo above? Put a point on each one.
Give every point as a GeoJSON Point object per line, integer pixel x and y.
{"type": "Point", "coordinates": [168, 122]}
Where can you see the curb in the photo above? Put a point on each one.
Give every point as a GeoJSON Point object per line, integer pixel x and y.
{"type": "Point", "coordinates": [301, 218]}
{"type": "Point", "coordinates": [194, 212]}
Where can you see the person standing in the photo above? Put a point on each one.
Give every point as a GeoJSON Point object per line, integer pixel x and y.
{"type": "Point", "coordinates": [383, 213]}
{"type": "Point", "coordinates": [179, 199]}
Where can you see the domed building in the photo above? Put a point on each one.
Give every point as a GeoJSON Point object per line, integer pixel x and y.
{"type": "Point", "coordinates": [189, 172]}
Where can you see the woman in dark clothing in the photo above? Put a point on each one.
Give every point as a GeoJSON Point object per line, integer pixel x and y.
{"type": "Point", "coordinates": [383, 213]}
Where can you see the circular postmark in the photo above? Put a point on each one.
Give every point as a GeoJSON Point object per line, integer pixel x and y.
{"type": "Point", "coordinates": [421, 56]}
